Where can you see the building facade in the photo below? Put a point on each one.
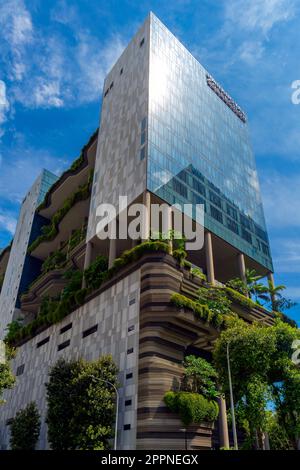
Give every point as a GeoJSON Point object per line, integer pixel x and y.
{"type": "Point", "coordinates": [168, 133]}
{"type": "Point", "coordinates": [21, 268]}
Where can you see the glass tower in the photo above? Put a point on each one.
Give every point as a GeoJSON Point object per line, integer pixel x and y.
{"type": "Point", "coordinates": [199, 149]}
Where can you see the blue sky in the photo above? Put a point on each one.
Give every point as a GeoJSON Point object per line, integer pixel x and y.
{"type": "Point", "coordinates": [55, 54]}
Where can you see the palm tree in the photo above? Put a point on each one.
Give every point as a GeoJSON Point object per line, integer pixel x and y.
{"type": "Point", "coordinates": [255, 289]}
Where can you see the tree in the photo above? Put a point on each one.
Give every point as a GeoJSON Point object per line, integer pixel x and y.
{"type": "Point", "coordinates": [7, 379]}
{"type": "Point", "coordinates": [216, 299]}
{"type": "Point", "coordinates": [200, 377]}
{"type": "Point", "coordinates": [25, 428]}
{"type": "Point", "coordinates": [81, 408]}
{"type": "Point", "coordinates": [262, 370]}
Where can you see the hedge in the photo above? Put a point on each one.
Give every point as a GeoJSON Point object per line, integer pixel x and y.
{"type": "Point", "coordinates": [192, 408]}
{"type": "Point", "coordinates": [200, 310]}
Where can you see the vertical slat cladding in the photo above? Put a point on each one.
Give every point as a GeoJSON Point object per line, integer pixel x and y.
{"type": "Point", "coordinates": [163, 342]}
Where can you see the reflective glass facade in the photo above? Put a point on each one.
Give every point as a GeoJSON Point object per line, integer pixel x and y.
{"type": "Point", "coordinates": [199, 148]}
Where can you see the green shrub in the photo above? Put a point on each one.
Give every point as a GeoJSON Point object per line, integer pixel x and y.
{"type": "Point", "coordinates": [192, 408]}
{"type": "Point", "coordinates": [50, 231]}
{"type": "Point", "coordinates": [201, 310]}
{"type": "Point", "coordinates": [238, 285]}
{"type": "Point", "coordinates": [198, 273]}
{"type": "Point", "coordinates": [240, 298]}
{"type": "Point", "coordinates": [25, 428]}
{"type": "Point", "coordinates": [180, 254]}
{"type": "Point", "coordinates": [95, 273]}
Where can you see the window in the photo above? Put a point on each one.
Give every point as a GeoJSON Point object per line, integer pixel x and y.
{"type": "Point", "coordinates": [232, 212]}
{"type": "Point", "coordinates": [215, 199]}
{"type": "Point", "coordinates": [132, 301]}
{"type": "Point", "coordinates": [65, 328]}
{"type": "Point", "coordinates": [128, 402]}
{"type": "Point", "coordinates": [265, 249]}
{"type": "Point", "coordinates": [121, 71]}
{"type": "Point", "coordinates": [111, 85]}
{"type": "Point", "coordinates": [127, 427]}
{"type": "Point", "coordinates": [143, 125]}
{"type": "Point", "coordinates": [232, 225]}
{"type": "Point", "coordinates": [179, 188]}
{"type": "Point", "coordinates": [245, 222]}
{"type": "Point", "coordinates": [42, 342]}
{"type": "Point", "coordinates": [63, 345]}
{"type": "Point", "coordinates": [197, 199]}
{"type": "Point", "coordinates": [106, 93]}
{"type": "Point", "coordinates": [246, 235]}
{"type": "Point", "coordinates": [90, 331]}
{"type": "Point", "coordinates": [142, 42]}
{"type": "Point", "coordinates": [20, 369]}
{"type": "Point", "coordinates": [143, 153]}
{"type": "Point", "coordinates": [129, 376]}
{"type": "Point", "coordinates": [130, 328]}
{"type": "Point", "coordinates": [199, 187]}
{"type": "Point", "coordinates": [216, 214]}
{"type": "Point", "coordinates": [261, 233]}
{"type": "Point", "coordinates": [130, 351]}
{"type": "Point", "coordinates": [143, 138]}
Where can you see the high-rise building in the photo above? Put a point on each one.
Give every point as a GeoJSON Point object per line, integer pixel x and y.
{"type": "Point", "coordinates": [168, 133]}
{"type": "Point", "coordinates": [22, 268]}
{"type": "Point", "coordinates": [169, 128]}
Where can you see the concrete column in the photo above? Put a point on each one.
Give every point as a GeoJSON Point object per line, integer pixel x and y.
{"type": "Point", "coordinates": [170, 227]}
{"type": "Point", "coordinates": [271, 280]}
{"type": "Point", "coordinates": [209, 258]}
{"type": "Point", "coordinates": [242, 267]}
{"type": "Point", "coordinates": [147, 221]}
{"type": "Point", "coordinates": [223, 425]}
{"type": "Point", "coordinates": [87, 259]}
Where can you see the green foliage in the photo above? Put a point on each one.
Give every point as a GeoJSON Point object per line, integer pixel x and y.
{"type": "Point", "coordinates": [77, 236]}
{"type": "Point", "coordinates": [216, 299]}
{"type": "Point", "coordinates": [239, 298]}
{"type": "Point", "coordinates": [278, 437]}
{"type": "Point", "coordinates": [200, 377]}
{"type": "Point", "coordinates": [180, 255]}
{"type": "Point", "coordinates": [25, 428]}
{"type": "Point", "coordinates": [96, 273]}
{"type": "Point", "coordinates": [51, 230]}
{"type": "Point", "coordinates": [55, 261]}
{"type": "Point", "coordinates": [7, 379]}
{"type": "Point", "coordinates": [13, 328]}
{"type": "Point", "coordinates": [201, 310]}
{"type": "Point", "coordinates": [198, 273]}
{"type": "Point", "coordinates": [73, 168]}
{"type": "Point", "coordinates": [238, 285]}
{"type": "Point", "coordinates": [137, 252]}
{"type": "Point", "coordinates": [261, 369]}
{"type": "Point", "coordinates": [192, 407]}
{"type": "Point", "coordinates": [81, 408]}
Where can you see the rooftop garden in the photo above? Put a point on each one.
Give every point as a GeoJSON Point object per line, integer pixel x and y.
{"type": "Point", "coordinates": [50, 231]}
{"type": "Point", "coordinates": [78, 163]}
{"type": "Point", "coordinates": [212, 305]}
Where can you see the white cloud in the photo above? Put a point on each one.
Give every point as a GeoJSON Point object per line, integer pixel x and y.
{"type": "Point", "coordinates": [4, 105]}
{"type": "Point", "coordinates": [251, 51]}
{"type": "Point", "coordinates": [281, 198]}
{"type": "Point", "coordinates": [17, 33]}
{"type": "Point", "coordinates": [48, 70]}
{"type": "Point", "coordinates": [287, 254]}
{"type": "Point", "coordinates": [8, 223]}
{"type": "Point", "coordinates": [259, 15]}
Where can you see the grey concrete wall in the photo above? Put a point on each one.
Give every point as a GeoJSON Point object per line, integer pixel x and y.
{"type": "Point", "coordinates": [115, 311]}
{"type": "Point", "coordinates": [119, 169]}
